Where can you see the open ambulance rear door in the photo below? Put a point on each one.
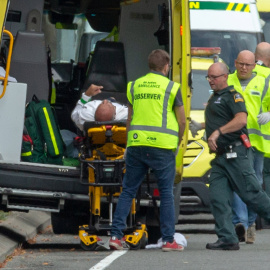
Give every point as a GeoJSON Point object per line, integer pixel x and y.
{"type": "Point", "coordinates": [12, 104]}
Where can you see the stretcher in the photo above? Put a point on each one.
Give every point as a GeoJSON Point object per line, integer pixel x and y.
{"type": "Point", "coordinates": [102, 169]}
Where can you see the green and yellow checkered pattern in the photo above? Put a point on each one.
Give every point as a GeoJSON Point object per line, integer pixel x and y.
{"type": "Point", "coordinates": [219, 6]}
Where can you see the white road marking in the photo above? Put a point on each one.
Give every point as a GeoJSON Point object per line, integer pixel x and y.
{"type": "Point", "coordinates": [108, 260]}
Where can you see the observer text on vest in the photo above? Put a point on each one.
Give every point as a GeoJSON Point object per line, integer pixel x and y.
{"type": "Point", "coordinates": [147, 96]}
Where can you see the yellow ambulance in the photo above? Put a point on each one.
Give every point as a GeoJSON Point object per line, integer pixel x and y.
{"type": "Point", "coordinates": [51, 58]}
{"type": "Point", "coordinates": [231, 25]}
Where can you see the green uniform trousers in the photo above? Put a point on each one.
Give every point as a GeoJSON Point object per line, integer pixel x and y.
{"type": "Point", "coordinates": [236, 174]}
{"type": "Point", "coordinates": [266, 175]}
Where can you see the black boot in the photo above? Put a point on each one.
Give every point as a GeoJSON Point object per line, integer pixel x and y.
{"type": "Point", "coordinates": [241, 232]}
{"type": "Point", "coordinates": [219, 245]}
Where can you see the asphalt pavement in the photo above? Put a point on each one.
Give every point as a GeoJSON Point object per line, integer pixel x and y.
{"type": "Point", "coordinates": [20, 227]}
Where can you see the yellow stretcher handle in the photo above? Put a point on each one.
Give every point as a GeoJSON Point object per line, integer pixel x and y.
{"type": "Point", "coordinates": [5, 79]}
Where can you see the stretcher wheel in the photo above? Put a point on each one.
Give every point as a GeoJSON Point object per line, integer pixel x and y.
{"type": "Point", "coordinates": [144, 241]}
{"type": "Point", "coordinates": [91, 247]}
{"type": "Point", "coordinates": [136, 246]}
{"type": "Point", "coordinates": [141, 244]}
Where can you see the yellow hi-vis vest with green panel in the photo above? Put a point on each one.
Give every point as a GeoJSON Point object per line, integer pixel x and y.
{"type": "Point", "coordinates": [153, 122]}
{"type": "Point", "coordinates": [255, 94]}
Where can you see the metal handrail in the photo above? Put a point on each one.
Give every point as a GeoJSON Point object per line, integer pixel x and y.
{"type": "Point", "coordinates": [5, 79]}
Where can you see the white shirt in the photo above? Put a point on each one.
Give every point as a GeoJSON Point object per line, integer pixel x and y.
{"type": "Point", "coordinates": [3, 74]}
{"type": "Point", "coordinates": [86, 112]}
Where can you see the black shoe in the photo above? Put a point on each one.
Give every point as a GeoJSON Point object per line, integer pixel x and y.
{"type": "Point", "coordinates": [219, 245]}
{"type": "Point", "coordinates": [241, 232]}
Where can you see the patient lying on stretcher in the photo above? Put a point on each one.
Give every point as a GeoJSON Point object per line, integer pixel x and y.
{"type": "Point", "coordinates": [97, 110]}
{"type": "Point", "coordinates": [87, 111]}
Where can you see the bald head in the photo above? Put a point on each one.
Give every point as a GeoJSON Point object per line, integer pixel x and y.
{"type": "Point", "coordinates": [105, 111]}
{"type": "Point", "coordinates": [246, 55]}
{"type": "Point", "coordinates": [262, 53]}
{"type": "Point", "coordinates": [244, 64]}
{"type": "Point", "coordinates": [221, 67]}
{"type": "Point", "coordinates": [217, 76]}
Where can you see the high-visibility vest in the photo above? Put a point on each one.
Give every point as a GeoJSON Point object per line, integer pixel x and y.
{"type": "Point", "coordinates": [265, 129]}
{"type": "Point", "coordinates": [262, 71]}
{"type": "Point", "coordinates": [255, 94]}
{"type": "Point", "coordinates": [153, 122]}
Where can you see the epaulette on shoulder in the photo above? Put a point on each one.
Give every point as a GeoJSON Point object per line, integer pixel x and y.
{"type": "Point", "coordinates": [232, 90]}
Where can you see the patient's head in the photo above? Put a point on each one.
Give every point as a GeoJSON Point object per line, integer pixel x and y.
{"type": "Point", "coordinates": [105, 111]}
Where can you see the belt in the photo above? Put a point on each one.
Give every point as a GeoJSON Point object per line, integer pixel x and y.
{"type": "Point", "coordinates": [234, 144]}
{"type": "Point", "coordinates": [228, 147]}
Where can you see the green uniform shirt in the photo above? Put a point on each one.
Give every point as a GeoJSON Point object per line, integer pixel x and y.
{"type": "Point", "coordinates": [221, 109]}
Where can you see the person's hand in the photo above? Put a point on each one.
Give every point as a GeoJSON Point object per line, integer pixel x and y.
{"type": "Point", "coordinates": [263, 118]}
{"type": "Point", "coordinates": [194, 127]}
{"type": "Point", "coordinates": [93, 90]}
{"type": "Point", "coordinates": [212, 140]}
{"type": "Point", "coordinates": [125, 154]}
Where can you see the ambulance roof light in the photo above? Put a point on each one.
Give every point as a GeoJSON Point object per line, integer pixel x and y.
{"type": "Point", "coordinates": [205, 51]}
{"type": "Point", "coordinates": [128, 2]}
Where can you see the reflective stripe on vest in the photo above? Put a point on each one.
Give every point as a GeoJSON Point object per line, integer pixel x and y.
{"type": "Point", "coordinates": [264, 90]}
{"type": "Point", "coordinates": [258, 132]}
{"type": "Point", "coordinates": [163, 128]}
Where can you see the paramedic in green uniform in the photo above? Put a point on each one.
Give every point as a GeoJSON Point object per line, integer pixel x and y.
{"type": "Point", "coordinates": [155, 125]}
{"type": "Point", "coordinates": [225, 122]}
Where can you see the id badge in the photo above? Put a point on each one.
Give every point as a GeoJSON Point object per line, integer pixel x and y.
{"type": "Point", "coordinates": [231, 155]}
